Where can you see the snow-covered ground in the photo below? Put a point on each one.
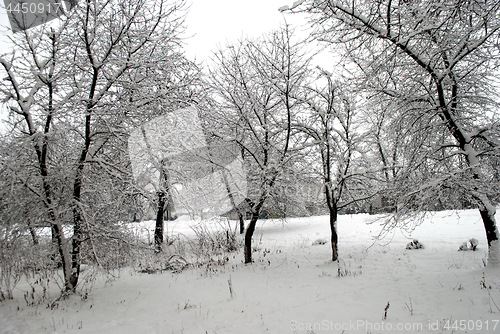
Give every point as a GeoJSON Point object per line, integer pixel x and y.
{"type": "Point", "coordinates": [292, 287]}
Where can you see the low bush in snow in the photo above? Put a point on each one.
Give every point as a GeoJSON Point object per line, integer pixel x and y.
{"type": "Point", "coordinates": [471, 244]}
{"type": "Point", "coordinates": [415, 244]}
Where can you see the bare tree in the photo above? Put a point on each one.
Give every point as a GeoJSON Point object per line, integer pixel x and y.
{"type": "Point", "coordinates": [66, 89]}
{"type": "Point", "coordinates": [333, 128]}
{"type": "Point", "coordinates": [438, 60]}
{"type": "Point", "coordinates": [255, 82]}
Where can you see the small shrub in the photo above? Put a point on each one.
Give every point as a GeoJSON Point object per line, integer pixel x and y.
{"type": "Point", "coordinates": [160, 262]}
{"type": "Point", "coordinates": [217, 240]}
{"type": "Point", "coordinates": [471, 244]}
{"type": "Point", "coordinates": [415, 244]}
{"type": "Point", "coordinates": [344, 270]}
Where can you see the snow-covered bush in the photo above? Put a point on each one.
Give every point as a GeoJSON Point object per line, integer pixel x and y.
{"type": "Point", "coordinates": [19, 258]}
{"type": "Point", "coordinates": [10, 268]}
{"type": "Point", "coordinates": [107, 246]}
{"type": "Point", "coordinates": [214, 240]}
{"type": "Point", "coordinates": [345, 269]}
{"type": "Point", "coordinates": [160, 262]}
{"type": "Point", "coordinates": [209, 247]}
{"type": "Point", "coordinates": [415, 244]}
{"type": "Point", "coordinates": [320, 241]}
{"type": "Point", "coordinates": [471, 244]}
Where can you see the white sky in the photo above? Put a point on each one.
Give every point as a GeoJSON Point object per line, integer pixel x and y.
{"type": "Point", "coordinates": [217, 22]}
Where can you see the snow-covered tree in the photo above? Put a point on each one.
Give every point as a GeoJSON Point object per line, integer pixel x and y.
{"type": "Point", "coordinates": [255, 82]}
{"type": "Point", "coordinates": [70, 92]}
{"type": "Point", "coordinates": [332, 125]}
{"type": "Point", "coordinates": [438, 63]}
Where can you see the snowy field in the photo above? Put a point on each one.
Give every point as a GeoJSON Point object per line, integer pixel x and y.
{"type": "Point", "coordinates": [292, 287]}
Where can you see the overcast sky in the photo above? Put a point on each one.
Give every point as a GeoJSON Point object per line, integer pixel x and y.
{"type": "Point", "coordinates": [214, 23]}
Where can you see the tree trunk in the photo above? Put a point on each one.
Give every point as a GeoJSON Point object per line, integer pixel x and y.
{"type": "Point", "coordinates": [233, 203]}
{"type": "Point", "coordinates": [242, 222]}
{"type": "Point", "coordinates": [256, 208]}
{"type": "Point", "coordinates": [54, 257]}
{"type": "Point", "coordinates": [77, 231]}
{"type": "Point", "coordinates": [488, 216]}
{"type": "Point", "coordinates": [77, 197]}
{"type": "Point", "coordinates": [489, 225]}
{"type": "Point", "coordinates": [75, 258]}
{"type": "Point", "coordinates": [333, 227]}
{"type": "Point", "coordinates": [34, 237]}
{"type": "Point", "coordinates": [59, 239]}
{"type": "Point", "coordinates": [164, 197]}
{"type": "Point", "coordinates": [249, 235]}
{"type": "Point", "coordinates": [159, 220]}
